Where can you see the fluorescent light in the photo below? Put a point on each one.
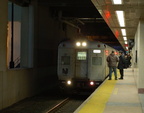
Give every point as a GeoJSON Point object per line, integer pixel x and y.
{"type": "Point", "coordinates": [127, 48]}
{"type": "Point", "coordinates": [126, 42]}
{"type": "Point", "coordinates": [123, 32]}
{"type": "Point", "coordinates": [120, 16]}
{"type": "Point", "coordinates": [125, 38]}
{"type": "Point", "coordinates": [117, 1]}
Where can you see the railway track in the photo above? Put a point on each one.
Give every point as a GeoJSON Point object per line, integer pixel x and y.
{"type": "Point", "coordinates": [47, 103]}
{"type": "Point", "coordinates": [68, 105]}
{"type": "Point", "coordinates": [58, 106]}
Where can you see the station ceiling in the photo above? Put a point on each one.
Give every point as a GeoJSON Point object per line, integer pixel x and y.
{"type": "Point", "coordinates": [132, 11]}
{"type": "Point", "coordinates": [97, 18]}
{"type": "Point", "coordinates": [84, 15]}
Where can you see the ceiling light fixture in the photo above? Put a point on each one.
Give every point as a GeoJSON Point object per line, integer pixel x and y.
{"type": "Point", "coordinates": [120, 16]}
{"type": "Point", "coordinates": [127, 48]}
{"type": "Point", "coordinates": [126, 42]}
{"type": "Point", "coordinates": [125, 38]}
{"type": "Point", "coordinates": [123, 32]}
{"type": "Point", "coordinates": [117, 2]}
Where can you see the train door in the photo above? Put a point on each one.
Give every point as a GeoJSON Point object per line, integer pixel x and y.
{"type": "Point", "coordinates": [81, 64]}
{"type": "Point", "coordinates": [97, 69]}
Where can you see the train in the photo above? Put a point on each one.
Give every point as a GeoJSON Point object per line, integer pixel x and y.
{"type": "Point", "coordinates": [82, 64]}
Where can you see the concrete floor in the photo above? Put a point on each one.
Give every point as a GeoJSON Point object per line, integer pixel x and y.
{"type": "Point", "coordinates": [114, 96]}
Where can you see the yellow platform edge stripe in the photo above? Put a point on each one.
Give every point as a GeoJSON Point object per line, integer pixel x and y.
{"type": "Point", "coordinates": [97, 101]}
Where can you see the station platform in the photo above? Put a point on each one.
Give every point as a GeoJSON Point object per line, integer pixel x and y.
{"type": "Point", "coordinates": [114, 96]}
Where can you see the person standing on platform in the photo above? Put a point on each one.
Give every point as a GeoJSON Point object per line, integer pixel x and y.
{"type": "Point", "coordinates": [112, 60]}
{"type": "Point", "coordinates": [129, 60]}
{"type": "Point", "coordinates": [126, 61]}
{"type": "Point", "coordinates": [121, 64]}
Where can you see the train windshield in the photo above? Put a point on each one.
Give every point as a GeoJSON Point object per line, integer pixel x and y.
{"type": "Point", "coordinates": [81, 55]}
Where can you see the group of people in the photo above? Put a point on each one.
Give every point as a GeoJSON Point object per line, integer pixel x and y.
{"type": "Point", "coordinates": [120, 62]}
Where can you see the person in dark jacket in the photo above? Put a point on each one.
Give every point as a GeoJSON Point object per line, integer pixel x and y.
{"type": "Point", "coordinates": [121, 64]}
{"type": "Point", "coordinates": [129, 59]}
{"type": "Point", "coordinates": [112, 60]}
{"type": "Point", "coordinates": [126, 61]}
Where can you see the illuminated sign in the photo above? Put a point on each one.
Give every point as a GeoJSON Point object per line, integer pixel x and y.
{"type": "Point", "coordinates": [96, 51]}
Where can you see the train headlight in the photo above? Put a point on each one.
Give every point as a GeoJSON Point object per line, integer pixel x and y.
{"type": "Point", "coordinates": [84, 44]}
{"type": "Point", "coordinates": [91, 83]}
{"type": "Point", "coordinates": [78, 44]}
{"type": "Point", "coordinates": [69, 82]}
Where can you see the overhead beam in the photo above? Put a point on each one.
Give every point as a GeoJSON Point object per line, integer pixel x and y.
{"type": "Point", "coordinates": [24, 3]}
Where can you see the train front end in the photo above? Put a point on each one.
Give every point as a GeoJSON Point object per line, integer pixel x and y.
{"type": "Point", "coordinates": [73, 61]}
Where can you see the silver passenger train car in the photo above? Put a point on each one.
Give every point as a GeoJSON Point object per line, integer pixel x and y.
{"type": "Point", "coordinates": [82, 64]}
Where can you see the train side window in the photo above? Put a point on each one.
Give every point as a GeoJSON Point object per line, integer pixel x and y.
{"type": "Point", "coordinates": [97, 60]}
{"type": "Point", "coordinates": [65, 60]}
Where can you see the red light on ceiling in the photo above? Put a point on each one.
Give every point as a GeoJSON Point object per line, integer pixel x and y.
{"type": "Point", "coordinates": [107, 14]}
{"type": "Point", "coordinates": [116, 33]}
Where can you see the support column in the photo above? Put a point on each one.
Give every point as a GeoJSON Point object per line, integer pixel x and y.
{"type": "Point", "coordinates": [3, 44]}
{"type": "Point", "coordinates": [3, 33]}
{"type": "Point", "coordinates": [140, 57]}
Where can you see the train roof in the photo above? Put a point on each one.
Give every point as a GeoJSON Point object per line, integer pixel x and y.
{"type": "Point", "coordinates": [82, 44]}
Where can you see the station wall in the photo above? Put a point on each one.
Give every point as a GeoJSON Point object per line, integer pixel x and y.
{"type": "Point", "coordinates": [18, 84]}
{"type": "Point", "coordinates": [137, 55]}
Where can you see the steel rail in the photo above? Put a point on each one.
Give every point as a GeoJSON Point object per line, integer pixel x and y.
{"type": "Point", "coordinates": [59, 105]}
